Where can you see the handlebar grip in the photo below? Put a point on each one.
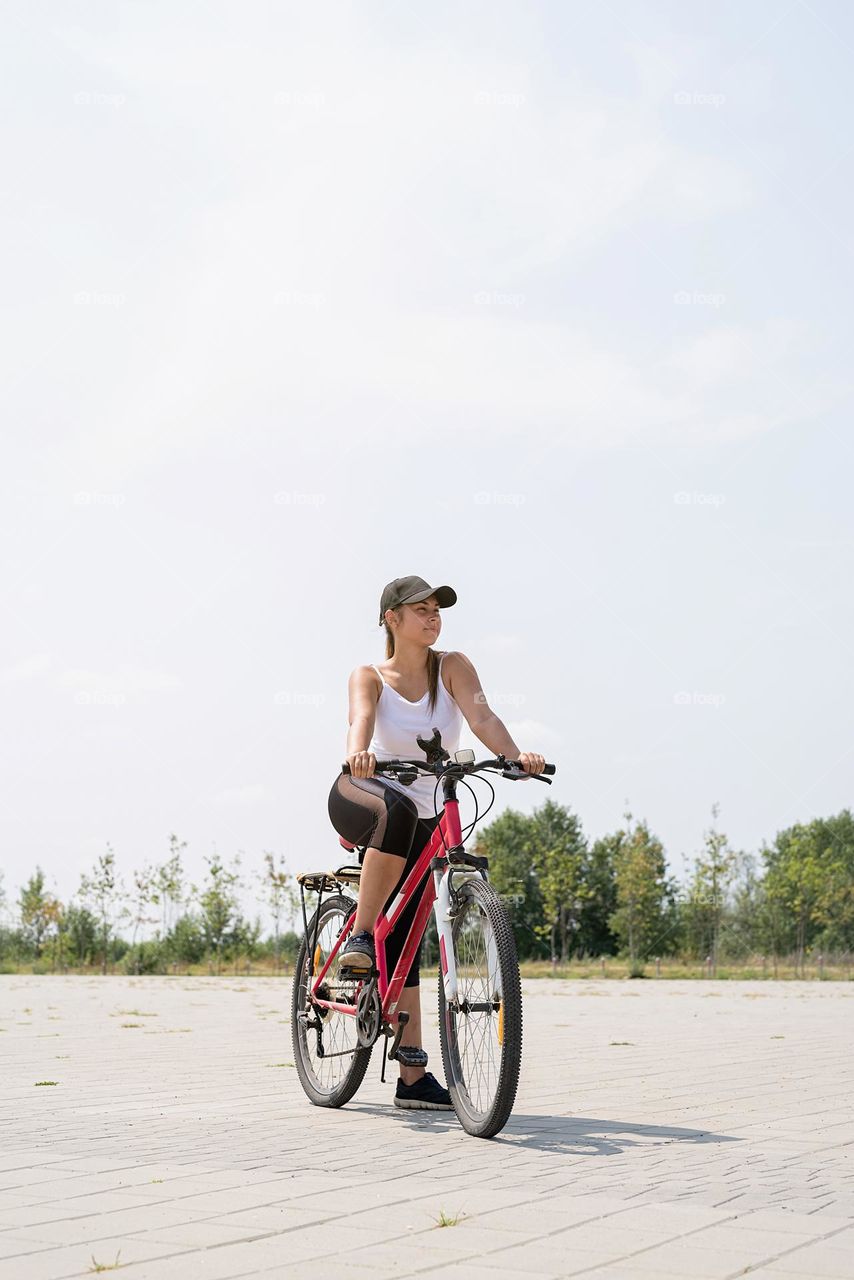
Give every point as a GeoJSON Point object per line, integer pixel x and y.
{"type": "Point", "coordinates": [345, 768]}
{"type": "Point", "coordinates": [548, 768]}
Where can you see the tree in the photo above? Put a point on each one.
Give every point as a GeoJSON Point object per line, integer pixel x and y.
{"type": "Point", "coordinates": [81, 929]}
{"type": "Point", "coordinates": [103, 892]}
{"type": "Point", "coordinates": [507, 844]}
{"type": "Point", "coordinates": [800, 878]}
{"type": "Point", "coordinates": [218, 902]}
{"type": "Point", "coordinates": [595, 935]}
{"type": "Point", "coordinates": [711, 879]}
{"type": "Point", "coordinates": [168, 888]}
{"type": "Point", "coordinates": [142, 897]}
{"type": "Point", "coordinates": [557, 849]}
{"type": "Point", "coordinates": [644, 919]}
{"type": "Point", "coordinates": [280, 896]}
{"type": "Point", "coordinates": [836, 837]}
{"type": "Point", "coordinates": [40, 912]}
{"type": "Point", "coordinates": [243, 938]}
{"type": "Point", "coordinates": [186, 941]}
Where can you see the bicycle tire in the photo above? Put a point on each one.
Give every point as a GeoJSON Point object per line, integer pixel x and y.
{"type": "Point", "coordinates": [478, 896]}
{"type": "Point", "coordinates": [344, 1089]}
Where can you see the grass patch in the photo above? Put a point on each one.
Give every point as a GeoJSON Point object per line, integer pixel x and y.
{"type": "Point", "coordinates": [41, 1084]}
{"type": "Point", "coordinates": [131, 1024]}
{"type": "Point", "coordinates": [279, 1064]}
{"type": "Point", "coordinates": [445, 1220]}
{"type": "Point", "coordinates": [106, 1266]}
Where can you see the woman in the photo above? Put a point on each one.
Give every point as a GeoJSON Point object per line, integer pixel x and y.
{"type": "Point", "coordinates": [396, 821]}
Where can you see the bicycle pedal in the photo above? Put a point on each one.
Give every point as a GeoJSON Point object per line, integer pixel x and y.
{"type": "Point", "coordinates": [356, 975]}
{"type": "Point", "coordinates": [408, 1056]}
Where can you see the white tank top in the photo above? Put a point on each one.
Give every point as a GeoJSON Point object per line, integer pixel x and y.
{"type": "Point", "coordinates": [397, 723]}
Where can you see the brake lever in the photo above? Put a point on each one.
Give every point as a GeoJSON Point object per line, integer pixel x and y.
{"type": "Point", "coordinates": [518, 774]}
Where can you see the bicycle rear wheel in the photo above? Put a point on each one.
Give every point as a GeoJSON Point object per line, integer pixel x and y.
{"type": "Point", "coordinates": [481, 1034]}
{"type": "Point", "coordinates": [330, 1080]}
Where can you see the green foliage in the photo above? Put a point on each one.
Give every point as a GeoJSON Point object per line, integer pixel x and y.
{"type": "Point", "coordinates": [186, 943]}
{"type": "Point", "coordinates": [809, 885]}
{"type": "Point", "coordinates": [102, 891]}
{"type": "Point", "coordinates": [569, 901]}
{"type": "Point", "coordinates": [706, 906]}
{"type": "Point", "coordinates": [595, 935]}
{"type": "Point", "coordinates": [645, 920]}
{"type": "Point", "coordinates": [558, 855]}
{"type": "Point", "coordinates": [41, 914]}
{"type": "Point", "coordinates": [508, 843]}
{"type": "Point", "coordinates": [280, 895]}
{"type": "Point", "coordinates": [81, 931]}
{"type": "Point", "coordinates": [219, 903]}
{"type": "Point", "coordinates": [168, 885]}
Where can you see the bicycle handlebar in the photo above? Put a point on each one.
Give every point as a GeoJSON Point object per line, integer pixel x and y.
{"type": "Point", "coordinates": [510, 769]}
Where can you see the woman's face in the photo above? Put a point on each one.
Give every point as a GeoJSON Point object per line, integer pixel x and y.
{"type": "Point", "coordinates": [421, 622]}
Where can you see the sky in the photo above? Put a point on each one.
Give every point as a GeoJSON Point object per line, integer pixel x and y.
{"type": "Point", "coordinates": [547, 301]}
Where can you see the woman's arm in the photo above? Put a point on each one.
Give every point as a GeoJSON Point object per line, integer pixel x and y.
{"type": "Point", "coordinates": [481, 719]}
{"type": "Point", "coordinates": [362, 690]}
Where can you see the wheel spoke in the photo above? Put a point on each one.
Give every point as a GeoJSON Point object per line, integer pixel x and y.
{"type": "Point", "coordinates": [477, 1044]}
{"type": "Point", "coordinates": [339, 1029]}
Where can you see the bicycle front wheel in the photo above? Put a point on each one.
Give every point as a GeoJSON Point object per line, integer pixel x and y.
{"type": "Point", "coordinates": [481, 1032]}
{"type": "Point", "coordinates": [331, 1077]}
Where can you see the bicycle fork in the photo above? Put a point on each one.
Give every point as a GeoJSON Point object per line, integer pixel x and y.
{"type": "Point", "coordinates": [443, 911]}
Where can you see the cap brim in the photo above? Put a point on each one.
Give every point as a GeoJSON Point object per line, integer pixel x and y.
{"type": "Point", "coordinates": [446, 596]}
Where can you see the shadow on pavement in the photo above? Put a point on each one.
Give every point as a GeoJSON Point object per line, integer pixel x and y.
{"type": "Point", "coordinates": [564, 1135]}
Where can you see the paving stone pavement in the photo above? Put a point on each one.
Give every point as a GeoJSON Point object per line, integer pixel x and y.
{"type": "Point", "coordinates": [662, 1128]}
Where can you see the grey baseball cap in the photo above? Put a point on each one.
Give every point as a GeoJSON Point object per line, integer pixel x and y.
{"type": "Point", "coordinates": [411, 590]}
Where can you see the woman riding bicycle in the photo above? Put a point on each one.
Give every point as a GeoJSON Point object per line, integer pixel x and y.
{"type": "Point", "coordinates": [396, 821]}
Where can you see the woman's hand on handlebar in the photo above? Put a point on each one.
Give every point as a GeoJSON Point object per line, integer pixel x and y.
{"type": "Point", "coordinates": [531, 762]}
{"type": "Point", "coordinates": [362, 764]}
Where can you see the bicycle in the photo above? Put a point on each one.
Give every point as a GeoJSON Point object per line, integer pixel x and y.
{"type": "Point", "coordinates": [337, 1018]}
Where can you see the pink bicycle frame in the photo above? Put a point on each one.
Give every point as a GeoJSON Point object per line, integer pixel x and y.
{"type": "Point", "coordinates": [389, 991]}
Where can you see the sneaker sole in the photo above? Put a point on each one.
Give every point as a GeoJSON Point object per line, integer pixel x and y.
{"type": "Point", "coordinates": [356, 962]}
{"type": "Point", "coordinates": [415, 1104]}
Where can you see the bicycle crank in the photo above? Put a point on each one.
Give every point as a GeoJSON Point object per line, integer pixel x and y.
{"type": "Point", "coordinates": [368, 1014]}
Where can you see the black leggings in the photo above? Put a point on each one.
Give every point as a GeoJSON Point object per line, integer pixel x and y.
{"type": "Point", "coordinates": [367, 811]}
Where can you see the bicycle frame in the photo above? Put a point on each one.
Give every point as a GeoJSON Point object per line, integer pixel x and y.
{"type": "Point", "coordinates": [446, 835]}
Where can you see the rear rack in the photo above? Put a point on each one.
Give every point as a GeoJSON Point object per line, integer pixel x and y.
{"type": "Point", "coordinates": [328, 881]}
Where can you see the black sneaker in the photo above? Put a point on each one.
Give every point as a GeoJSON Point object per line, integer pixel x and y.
{"type": "Point", "coordinates": [358, 953]}
{"type": "Point", "coordinates": [425, 1095]}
